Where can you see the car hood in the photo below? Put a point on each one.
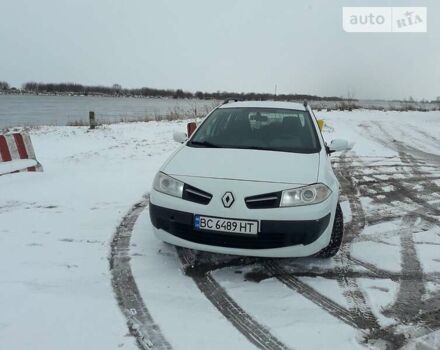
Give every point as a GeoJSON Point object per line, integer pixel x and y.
{"type": "Point", "coordinates": [242, 164]}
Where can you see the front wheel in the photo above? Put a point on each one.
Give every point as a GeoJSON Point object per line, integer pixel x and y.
{"type": "Point", "coordinates": [336, 237]}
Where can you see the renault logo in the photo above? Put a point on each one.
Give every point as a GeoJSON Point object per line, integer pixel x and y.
{"type": "Point", "coordinates": [228, 199]}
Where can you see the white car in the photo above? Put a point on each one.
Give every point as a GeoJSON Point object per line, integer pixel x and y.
{"type": "Point", "coordinates": [254, 178]}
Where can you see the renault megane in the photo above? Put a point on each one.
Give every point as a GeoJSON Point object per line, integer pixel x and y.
{"type": "Point", "coordinates": [254, 178]}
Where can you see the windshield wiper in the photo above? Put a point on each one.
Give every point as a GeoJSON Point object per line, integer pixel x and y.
{"type": "Point", "coordinates": [256, 147]}
{"type": "Point", "coordinates": [205, 144]}
{"type": "Point", "coordinates": [262, 148]}
{"type": "Point", "coordinates": [259, 148]}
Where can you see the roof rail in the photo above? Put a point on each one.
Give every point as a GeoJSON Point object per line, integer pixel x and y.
{"type": "Point", "coordinates": [233, 99]}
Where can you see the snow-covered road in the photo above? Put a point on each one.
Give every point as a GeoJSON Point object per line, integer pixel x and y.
{"type": "Point", "coordinates": [58, 229]}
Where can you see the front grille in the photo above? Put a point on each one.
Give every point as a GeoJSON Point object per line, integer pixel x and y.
{"type": "Point", "coordinates": [264, 201]}
{"type": "Point", "coordinates": [195, 195]}
{"type": "Point", "coordinates": [273, 234]}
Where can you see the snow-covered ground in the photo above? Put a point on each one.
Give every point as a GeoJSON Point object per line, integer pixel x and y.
{"type": "Point", "coordinates": [55, 230]}
{"type": "Point", "coordinates": [57, 227]}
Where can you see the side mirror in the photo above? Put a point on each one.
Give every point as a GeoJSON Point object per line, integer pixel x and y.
{"type": "Point", "coordinates": [191, 127]}
{"type": "Point", "coordinates": [338, 145]}
{"type": "Point", "coordinates": [321, 124]}
{"type": "Point", "coordinates": [179, 136]}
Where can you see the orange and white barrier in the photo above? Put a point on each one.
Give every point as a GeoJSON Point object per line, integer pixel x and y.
{"type": "Point", "coordinates": [17, 154]}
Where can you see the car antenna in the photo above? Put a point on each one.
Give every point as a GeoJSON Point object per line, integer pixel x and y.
{"type": "Point", "coordinates": [305, 104]}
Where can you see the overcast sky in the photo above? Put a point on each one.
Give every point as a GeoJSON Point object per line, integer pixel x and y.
{"type": "Point", "coordinates": [233, 45]}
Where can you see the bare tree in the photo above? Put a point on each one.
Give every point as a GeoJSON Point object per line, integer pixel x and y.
{"type": "Point", "coordinates": [4, 86]}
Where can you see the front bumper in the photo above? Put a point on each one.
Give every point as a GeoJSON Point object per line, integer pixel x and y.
{"type": "Point", "coordinates": [273, 233]}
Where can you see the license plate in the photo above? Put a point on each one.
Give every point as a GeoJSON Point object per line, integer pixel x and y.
{"type": "Point", "coordinates": [209, 223]}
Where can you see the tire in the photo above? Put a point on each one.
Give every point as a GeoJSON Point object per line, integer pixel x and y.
{"type": "Point", "coordinates": [336, 237]}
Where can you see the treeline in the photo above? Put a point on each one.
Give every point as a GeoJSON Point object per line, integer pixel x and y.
{"type": "Point", "coordinates": [4, 86]}
{"type": "Point", "coordinates": [117, 90]}
{"type": "Point", "coordinates": [263, 96]}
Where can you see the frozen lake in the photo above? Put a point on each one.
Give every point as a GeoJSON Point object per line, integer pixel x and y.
{"type": "Point", "coordinates": [19, 110]}
{"type": "Point", "coordinates": [28, 110]}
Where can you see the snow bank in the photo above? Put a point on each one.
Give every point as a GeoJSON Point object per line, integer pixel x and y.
{"type": "Point", "coordinates": [16, 165]}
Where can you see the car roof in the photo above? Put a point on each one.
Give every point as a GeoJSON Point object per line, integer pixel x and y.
{"type": "Point", "coordinates": [265, 104]}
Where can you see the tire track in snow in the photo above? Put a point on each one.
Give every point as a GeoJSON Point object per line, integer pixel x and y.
{"type": "Point", "coordinates": [372, 331]}
{"type": "Point", "coordinates": [408, 307]}
{"type": "Point", "coordinates": [256, 333]}
{"type": "Point", "coordinates": [352, 291]}
{"type": "Point", "coordinates": [425, 136]}
{"type": "Point", "coordinates": [374, 219]}
{"type": "Point", "coordinates": [292, 282]}
{"type": "Point", "coordinates": [430, 317]}
{"type": "Point", "coordinates": [352, 229]}
{"type": "Point", "coordinates": [139, 320]}
{"type": "Point", "coordinates": [378, 273]}
{"type": "Point", "coordinates": [390, 142]}
{"type": "Point", "coordinates": [371, 267]}
{"type": "Point", "coordinates": [349, 188]}
{"type": "Point", "coordinates": [410, 294]}
{"type": "Point", "coordinates": [410, 290]}
{"type": "Point", "coordinates": [411, 304]}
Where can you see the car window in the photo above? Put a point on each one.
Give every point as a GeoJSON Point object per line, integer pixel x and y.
{"type": "Point", "coordinates": [258, 128]}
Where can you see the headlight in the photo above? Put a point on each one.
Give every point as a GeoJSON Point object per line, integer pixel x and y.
{"type": "Point", "coordinates": [307, 195]}
{"type": "Point", "coordinates": [168, 185]}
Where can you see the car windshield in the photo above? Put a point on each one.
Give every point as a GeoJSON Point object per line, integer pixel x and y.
{"type": "Point", "coordinates": [271, 129]}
